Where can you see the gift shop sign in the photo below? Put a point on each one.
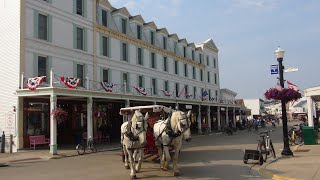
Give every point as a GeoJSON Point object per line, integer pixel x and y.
{"type": "Point", "coordinates": [10, 120]}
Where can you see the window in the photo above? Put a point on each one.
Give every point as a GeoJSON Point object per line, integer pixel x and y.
{"type": "Point", "coordinates": [175, 47]}
{"type": "Point", "coordinates": [125, 80]}
{"type": "Point", "coordinates": [201, 75]}
{"type": "Point", "coordinates": [177, 90]}
{"type": "Point", "coordinates": [105, 75]}
{"type": "Point", "coordinates": [208, 76]}
{"type": "Point", "coordinates": [184, 52]}
{"type": "Point", "coordinates": [152, 37]}
{"type": "Point", "coordinates": [176, 67]}
{"type": "Point", "coordinates": [80, 44]}
{"type": "Point", "coordinates": [104, 18]}
{"type": "Point", "coordinates": [186, 90]}
{"type": "Point", "coordinates": [166, 85]}
{"type": "Point", "coordinates": [215, 78]}
{"type": "Point", "coordinates": [139, 32]}
{"type": "Point", "coordinates": [165, 64]}
{"type": "Point", "coordinates": [124, 25]}
{"type": "Point", "coordinates": [185, 70]}
{"type": "Point", "coordinates": [207, 60]}
{"type": "Point", "coordinates": [216, 93]}
{"type": "Point", "coordinates": [209, 94]}
{"type": "Point", "coordinates": [140, 60]}
{"type": "Point", "coordinates": [164, 43]}
{"type": "Point", "coordinates": [42, 66]}
{"type": "Point", "coordinates": [154, 86]}
{"type": "Point", "coordinates": [140, 80]}
{"type": "Point", "coordinates": [80, 74]}
{"type": "Point", "coordinates": [193, 72]}
{"type": "Point", "coordinates": [105, 46]}
{"type": "Point", "coordinates": [192, 54]}
{"type": "Point", "coordinates": [79, 7]}
{"type": "Point", "coordinates": [43, 27]}
{"type": "Point", "coordinates": [200, 58]}
{"type": "Point", "coordinates": [214, 62]}
{"type": "Point", "coordinates": [153, 60]}
{"type": "Point", "coordinates": [124, 52]}
{"type": "Point", "coordinates": [194, 92]}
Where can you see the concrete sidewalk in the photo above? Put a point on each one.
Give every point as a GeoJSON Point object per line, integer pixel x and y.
{"type": "Point", "coordinates": [304, 165]}
{"type": "Point", "coordinates": [42, 154]}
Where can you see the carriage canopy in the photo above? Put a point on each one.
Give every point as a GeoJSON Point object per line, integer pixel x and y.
{"type": "Point", "coordinates": [144, 109]}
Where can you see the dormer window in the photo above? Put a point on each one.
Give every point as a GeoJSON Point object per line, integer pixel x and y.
{"type": "Point", "coordinates": [192, 54]}
{"type": "Point", "coordinates": [139, 32]}
{"type": "Point", "coordinates": [124, 25]}
{"type": "Point", "coordinates": [152, 37]}
{"type": "Point", "coordinates": [104, 18]}
{"type": "Point", "coordinates": [200, 58]}
{"type": "Point", "coordinates": [164, 42]}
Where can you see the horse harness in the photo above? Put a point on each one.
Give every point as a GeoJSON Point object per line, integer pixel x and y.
{"type": "Point", "coordinates": [129, 133]}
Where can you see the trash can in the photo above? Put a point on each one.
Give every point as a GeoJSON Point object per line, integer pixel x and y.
{"type": "Point", "coordinates": [309, 135]}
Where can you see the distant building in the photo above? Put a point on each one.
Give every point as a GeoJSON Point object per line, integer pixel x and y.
{"type": "Point", "coordinates": [256, 106]}
{"type": "Point", "coordinates": [313, 99]}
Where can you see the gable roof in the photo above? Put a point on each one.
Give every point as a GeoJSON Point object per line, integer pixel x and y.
{"type": "Point", "coordinates": [124, 11]}
{"type": "Point", "coordinates": [105, 3]}
{"type": "Point", "coordinates": [174, 36]}
{"type": "Point", "coordinates": [137, 18]}
{"type": "Point", "coordinates": [192, 45]}
{"type": "Point", "coordinates": [163, 31]}
{"type": "Point", "coordinates": [151, 25]}
{"type": "Point", "coordinates": [210, 44]}
{"type": "Point", "coordinates": [183, 41]}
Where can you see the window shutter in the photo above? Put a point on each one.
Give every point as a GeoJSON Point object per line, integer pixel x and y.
{"type": "Point", "coordinates": [101, 44]}
{"type": "Point", "coordinates": [121, 51]}
{"type": "Point", "coordinates": [86, 75]}
{"type": "Point", "coordinates": [35, 23]}
{"type": "Point", "coordinates": [128, 52]}
{"type": "Point", "coordinates": [137, 55]}
{"type": "Point", "coordinates": [85, 8]}
{"type": "Point", "coordinates": [99, 18]}
{"type": "Point", "coordinates": [110, 75]}
{"type": "Point", "coordinates": [50, 28]}
{"type": "Point", "coordinates": [35, 65]}
{"type": "Point", "coordinates": [108, 18]}
{"type": "Point", "coordinates": [109, 47]}
{"type": "Point", "coordinates": [128, 83]}
{"type": "Point", "coordinates": [49, 66]}
{"type": "Point", "coordinates": [143, 82]}
{"type": "Point", "coordinates": [142, 56]}
{"type": "Point", "coordinates": [75, 75]}
{"type": "Point", "coordinates": [85, 40]}
{"type": "Point", "coordinates": [101, 74]}
{"type": "Point", "coordinates": [74, 36]}
{"type": "Point", "coordinates": [75, 6]}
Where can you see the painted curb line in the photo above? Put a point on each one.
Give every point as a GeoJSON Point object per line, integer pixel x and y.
{"type": "Point", "coordinates": [265, 173]}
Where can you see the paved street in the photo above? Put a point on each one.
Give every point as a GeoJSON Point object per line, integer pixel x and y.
{"type": "Point", "coordinates": [207, 157]}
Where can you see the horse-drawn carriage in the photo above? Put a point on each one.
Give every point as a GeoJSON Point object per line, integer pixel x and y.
{"type": "Point", "coordinates": [153, 130]}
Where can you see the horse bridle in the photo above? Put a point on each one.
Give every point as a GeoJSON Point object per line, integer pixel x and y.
{"type": "Point", "coordinates": [130, 134]}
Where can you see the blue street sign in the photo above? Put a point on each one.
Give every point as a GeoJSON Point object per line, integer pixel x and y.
{"type": "Point", "coordinates": [274, 69]}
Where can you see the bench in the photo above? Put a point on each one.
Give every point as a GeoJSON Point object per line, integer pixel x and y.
{"type": "Point", "coordinates": [38, 140]}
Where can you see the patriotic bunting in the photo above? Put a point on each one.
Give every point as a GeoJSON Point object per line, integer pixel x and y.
{"type": "Point", "coordinates": [34, 83]}
{"type": "Point", "coordinates": [141, 90]}
{"type": "Point", "coordinates": [70, 82]}
{"type": "Point", "coordinates": [106, 86]}
{"type": "Point", "coordinates": [166, 93]}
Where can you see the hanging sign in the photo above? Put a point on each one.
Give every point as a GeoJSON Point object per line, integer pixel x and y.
{"type": "Point", "coordinates": [274, 69]}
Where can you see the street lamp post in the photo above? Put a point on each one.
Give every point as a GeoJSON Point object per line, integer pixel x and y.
{"type": "Point", "coordinates": [286, 149]}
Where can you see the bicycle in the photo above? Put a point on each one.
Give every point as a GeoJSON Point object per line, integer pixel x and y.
{"type": "Point", "coordinates": [265, 145]}
{"type": "Point", "coordinates": [84, 145]}
{"type": "Point", "coordinates": [295, 135]}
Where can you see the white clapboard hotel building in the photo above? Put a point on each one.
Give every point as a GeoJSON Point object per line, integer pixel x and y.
{"type": "Point", "coordinates": [97, 59]}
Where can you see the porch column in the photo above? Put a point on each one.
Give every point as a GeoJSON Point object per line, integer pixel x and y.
{"type": "Point", "coordinates": [199, 120]}
{"type": "Point", "coordinates": [310, 111]}
{"type": "Point", "coordinates": [89, 118]}
{"type": "Point", "coordinates": [234, 117]}
{"type": "Point", "coordinates": [177, 106]}
{"type": "Point", "coordinates": [240, 115]}
{"type": "Point", "coordinates": [227, 116]}
{"type": "Point", "coordinates": [209, 118]}
{"type": "Point", "coordinates": [19, 123]}
{"type": "Point", "coordinates": [53, 126]}
{"type": "Point", "coordinates": [218, 117]}
{"type": "Point", "coordinates": [127, 103]}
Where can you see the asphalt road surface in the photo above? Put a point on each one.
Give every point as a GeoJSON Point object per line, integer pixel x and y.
{"type": "Point", "coordinates": [209, 157]}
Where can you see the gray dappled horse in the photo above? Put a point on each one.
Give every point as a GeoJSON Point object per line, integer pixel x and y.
{"type": "Point", "coordinates": [170, 133]}
{"type": "Point", "coordinates": [133, 137]}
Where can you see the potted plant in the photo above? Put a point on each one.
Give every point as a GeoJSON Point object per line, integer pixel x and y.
{"type": "Point", "coordinates": [286, 94]}
{"type": "Point", "coordinates": [59, 115]}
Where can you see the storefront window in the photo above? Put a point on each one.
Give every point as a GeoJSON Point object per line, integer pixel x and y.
{"type": "Point", "coordinates": [37, 118]}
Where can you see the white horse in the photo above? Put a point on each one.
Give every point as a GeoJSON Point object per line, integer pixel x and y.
{"type": "Point", "coordinates": [133, 137]}
{"type": "Point", "coordinates": [171, 132]}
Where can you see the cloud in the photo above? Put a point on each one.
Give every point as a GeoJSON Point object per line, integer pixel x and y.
{"type": "Point", "coordinates": [253, 5]}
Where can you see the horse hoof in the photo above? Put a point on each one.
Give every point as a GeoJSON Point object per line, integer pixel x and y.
{"type": "Point", "coordinates": [165, 169]}
{"type": "Point", "coordinates": [176, 173]}
{"type": "Point", "coordinates": [127, 167]}
{"type": "Point", "coordinates": [134, 177]}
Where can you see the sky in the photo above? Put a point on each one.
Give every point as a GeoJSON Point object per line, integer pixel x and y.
{"type": "Point", "coordinates": [246, 32]}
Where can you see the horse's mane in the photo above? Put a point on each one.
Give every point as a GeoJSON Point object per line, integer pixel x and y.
{"type": "Point", "coordinates": [175, 118]}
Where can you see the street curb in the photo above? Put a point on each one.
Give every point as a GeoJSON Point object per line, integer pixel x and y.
{"type": "Point", "coordinates": [265, 173]}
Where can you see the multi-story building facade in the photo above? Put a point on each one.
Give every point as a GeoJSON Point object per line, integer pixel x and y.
{"type": "Point", "coordinates": [93, 42]}
{"type": "Point", "coordinates": [256, 106]}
